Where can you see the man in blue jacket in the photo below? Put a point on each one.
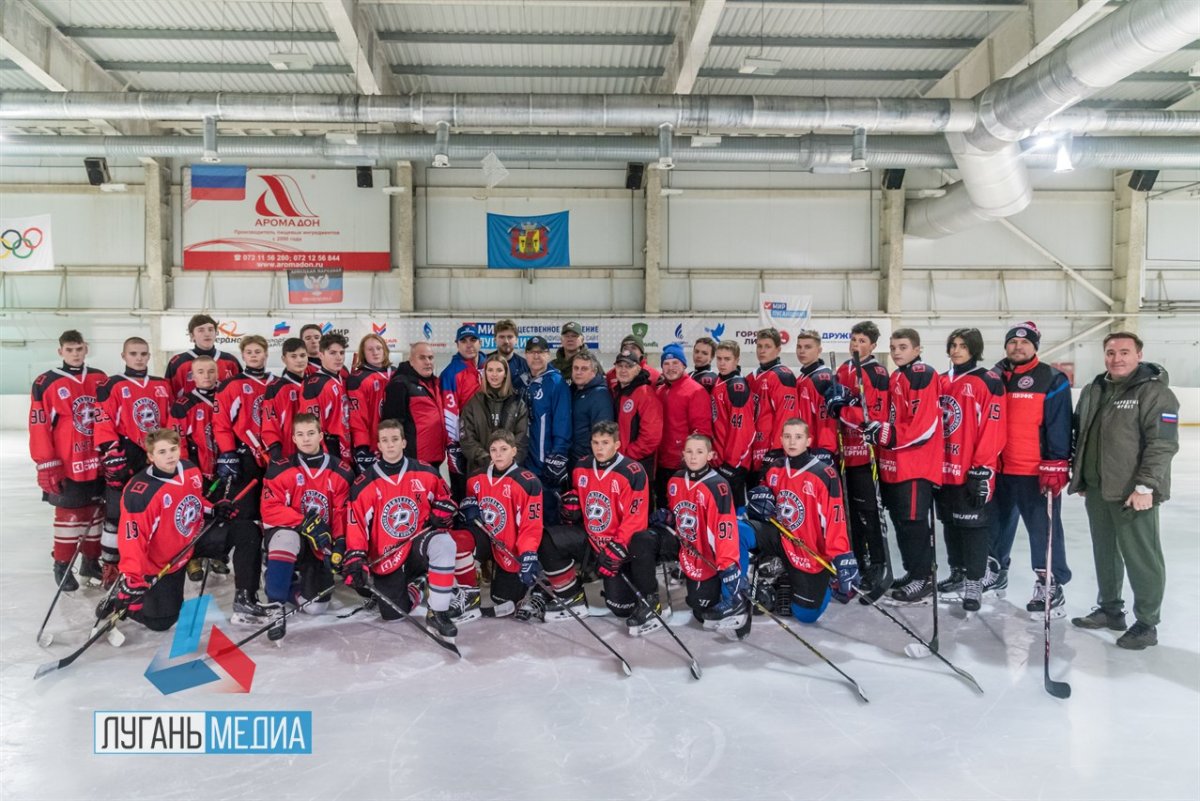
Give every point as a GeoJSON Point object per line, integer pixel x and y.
{"type": "Point", "coordinates": [591, 402]}
{"type": "Point", "coordinates": [549, 423]}
{"type": "Point", "coordinates": [460, 381]}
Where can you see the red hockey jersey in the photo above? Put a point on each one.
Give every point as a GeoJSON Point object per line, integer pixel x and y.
{"type": "Point", "coordinates": [914, 415]}
{"type": "Point", "coordinates": [131, 406]}
{"type": "Point", "coordinates": [364, 398]}
{"type": "Point", "coordinates": [511, 505]}
{"type": "Point", "coordinates": [811, 385]}
{"type": "Point", "coordinates": [808, 502]}
{"type": "Point", "coordinates": [973, 423]}
{"type": "Point", "coordinates": [733, 421]}
{"type": "Point", "coordinates": [179, 369]}
{"type": "Point", "coordinates": [639, 417]}
{"type": "Point", "coordinates": [706, 377]}
{"type": "Point", "coordinates": [706, 519]}
{"type": "Point", "coordinates": [874, 379]}
{"type": "Point", "coordinates": [687, 410]}
{"type": "Point", "coordinates": [281, 403]}
{"type": "Point", "coordinates": [324, 395]}
{"type": "Point", "coordinates": [62, 418]}
{"type": "Point", "coordinates": [238, 416]}
{"type": "Point", "coordinates": [389, 505]}
{"type": "Point", "coordinates": [774, 389]}
{"type": "Point", "coordinates": [159, 514]}
{"type": "Point", "coordinates": [296, 486]}
{"type": "Point", "coordinates": [192, 416]}
{"type": "Point", "coordinates": [615, 499]}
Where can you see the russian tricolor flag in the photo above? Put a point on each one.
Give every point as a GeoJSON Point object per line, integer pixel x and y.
{"type": "Point", "coordinates": [218, 182]}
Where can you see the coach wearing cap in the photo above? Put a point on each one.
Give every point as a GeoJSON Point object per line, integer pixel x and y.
{"type": "Point", "coordinates": [460, 381]}
{"type": "Point", "coordinates": [549, 403]}
{"type": "Point", "coordinates": [1126, 433]}
{"type": "Point", "coordinates": [572, 343]}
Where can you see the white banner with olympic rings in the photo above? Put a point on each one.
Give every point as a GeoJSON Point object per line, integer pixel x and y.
{"type": "Point", "coordinates": [25, 244]}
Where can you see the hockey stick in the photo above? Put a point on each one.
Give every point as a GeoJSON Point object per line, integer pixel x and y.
{"type": "Point", "coordinates": [880, 511]}
{"type": "Point", "coordinates": [749, 596]}
{"type": "Point", "coordinates": [44, 641]}
{"type": "Point", "coordinates": [549, 589]}
{"type": "Point", "coordinates": [933, 641]}
{"type": "Point", "coordinates": [379, 596]}
{"type": "Point", "coordinates": [1059, 689]}
{"type": "Point", "coordinates": [694, 666]}
{"type": "Point", "coordinates": [918, 650]}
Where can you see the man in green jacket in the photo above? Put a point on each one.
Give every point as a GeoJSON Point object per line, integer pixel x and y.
{"type": "Point", "coordinates": [1126, 433]}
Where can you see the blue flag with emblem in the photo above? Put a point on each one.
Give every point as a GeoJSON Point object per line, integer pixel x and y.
{"type": "Point", "coordinates": [539, 240]}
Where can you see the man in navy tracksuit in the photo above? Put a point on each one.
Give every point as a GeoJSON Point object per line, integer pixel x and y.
{"type": "Point", "coordinates": [549, 423]}
{"type": "Point", "coordinates": [591, 402]}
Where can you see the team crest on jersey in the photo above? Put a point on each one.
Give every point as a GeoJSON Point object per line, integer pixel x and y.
{"type": "Point", "coordinates": [84, 414]}
{"type": "Point", "coordinates": [187, 514]}
{"type": "Point", "coordinates": [256, 409]}
{"type": "Point", "coordinates": [583, 481]}
{"type": "Point", "coordinates": [64, 393]}
{"type": "Point", "coordinates": [687, 520]}
{"type": "Point", "coordinates": [951, 414]}
{"type": "Point", "coordinates": [399, 518]}
{"type": "Point", "coordinates": [627, 406]}
{"type": "Point", "coordinates": [1025, 382]}
{"type": "Point", "coordinates": [597, 511]}
{"type": "Point", "coordinates": [313, 501]}
{"type": "Point", "coordinates": [790, 509]}
{"type": "Point", "coordinates": [495, 517]}
{"type": "Point", "coordinates": [145, 415]}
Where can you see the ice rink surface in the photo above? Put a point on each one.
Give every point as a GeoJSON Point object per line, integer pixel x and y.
{"type": "Point", "coordinates": [542, 711]}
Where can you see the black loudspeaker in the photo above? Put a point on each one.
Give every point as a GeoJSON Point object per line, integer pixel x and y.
{"type": "Point", "coordinates": [893, 179]}
{"type": "Point", "coordinates": [1143, 180]}
{"type": "Point", "coordinates": [365, 179]}
{"type": "Point", "coordinates": [633, 175]}
{"type": "Point", "coordinates": [97, 171]}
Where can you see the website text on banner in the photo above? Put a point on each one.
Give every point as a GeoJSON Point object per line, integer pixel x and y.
{"type": "Point", "coordinates": [236, 218]}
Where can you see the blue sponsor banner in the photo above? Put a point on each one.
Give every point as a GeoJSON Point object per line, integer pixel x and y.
{"type": "Point", "coordinates": [540, 240]}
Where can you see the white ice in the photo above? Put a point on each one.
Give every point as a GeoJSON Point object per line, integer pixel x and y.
{"type": "Point", "coordinates": [542, 711]}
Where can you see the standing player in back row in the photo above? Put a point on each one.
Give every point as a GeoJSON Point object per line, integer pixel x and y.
{"type": "Point", "coordinates": [62, 419]}
{"type": "Point", "coordinates": [202, 330]}
{"type": "Point", "coordinates": [774, 388]}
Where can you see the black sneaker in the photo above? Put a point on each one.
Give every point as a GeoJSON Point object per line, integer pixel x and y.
{"type": "Point", "coordinates": [953, 584]}
{"type": "Point", "coordinates": [1138, 637]}
{"type": "Point", "coordinates": [64, 577]}
{"type": "Point", "coordinates": [1099, 619]}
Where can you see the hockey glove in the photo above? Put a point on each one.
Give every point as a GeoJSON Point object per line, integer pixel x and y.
{"type": "Point", "coordinates": [225, 510]}
{"type": "Point", "coordinates": [457, 460]}
{"type": "Point", "coordinates": [611, 558]}
{"type": "Point", "coordinates": [662, 517]}
{"type": "Point", "coordinates": [1053, 476]}
{"type": "Point", "coordinates": [364, 459]}
{"type": "Point", "coordinates": [980, 486]}
{"type": "Point", "coordinates": [728, 472]}
{"type": "Point", "coordinates": [835, 403]}
{"type": "Point", "coordinates": [529, 568]}
{"type": "Point", "coordinates": [822, 455]}
{"type": "Point", "coordinates": [468, 511]}
{"type": "Point", "coordinates": [229, 465]}
{"type": "Point", "coordinates": [127, 598]}
{"type": "Point", "coordinates": [570, 511]}
{"type": "Point", "coordinates": [354, 568]}
{"type": "Point", "coordinates": [50, 476]}
{"type": "Point", "coordinates": [441, 513]}
{"type": "Point", "coordinates": [761, 504]}
{"type": "Point", "coordinates": [733, 587]}
{"type": "Point", "coordinates": [881, 434]}
{"type": "Point", "coordinates": [848, 579]}
{"type": "Point", "coordinates": [339, 553]}
{"type": "Point", "coordinates": [555, 469]}
{"type": "Point", "coordinates": [315, 531]}
{"type": "Point", "coordinates": [116, 466]}
{"type": "Point", "coordinates": [275, 452]}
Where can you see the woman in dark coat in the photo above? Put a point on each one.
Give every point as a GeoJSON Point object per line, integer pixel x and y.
{"type": "Point", "coordinates": [495, 406]}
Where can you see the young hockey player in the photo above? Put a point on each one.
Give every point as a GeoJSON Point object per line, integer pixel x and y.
{"type": "Point", "coordinates": [701, 511]}
{"type": "Point", "coordinates": [704, 350]}
{"type": "Point", "coordinates": [639, 411]}
{"type": "Point", "coordinates": [607, 517]}
{"type": "Point", "coordinates": [364, 395]}
{"type": "Point", "coordinates": [733, 420]}
{"type": "Point", "coordinates": [506, 500]}
{"type": "Point", "coordinates": [238, 416]}
{"type": "Point", "coordinates": [866, 382]}
{"type": "Point", "coordinates": [202, 330]}
{"type": "Point", "coordinates": [311, 334]}
{"type": "Point", "coordinates": [324, 395]}
{"type": "Point", "coordinates": [162, 508]}
{"type": "Point", "coordinates": [686, 410]}
{"type": "Point", "coordinates": [460, 380]}
{"type": "Point", "coordinates": [131, 406]}
{"type": "Point", "coordinates": [192, 415]}
{"type": "Point", "coordinates": [401, 501]}
{"type": "Point", "coordinates": [815, 384]}
{"type": "Point", "coordinates": [973, 425]}
{"type": "Point", "coordinates": [304, 501]}
{"type": "Point", "coordinates": [62, 418]}
{"type": "Point", "coordinates": [804, 494]}
{"type": "Point", "coordinates": [283, 401]}
{"type": "Point", "coordinates": [774, 388]}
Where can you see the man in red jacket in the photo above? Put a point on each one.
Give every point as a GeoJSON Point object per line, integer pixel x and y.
{"type": "Point", "coordinates": [414, 398]}
{"type": "Point", "coordinates": [62, 419]}
{"type": "Point", "coordinates": [639, 412]}
{"type": "Point", "coordinates": [687, 410]}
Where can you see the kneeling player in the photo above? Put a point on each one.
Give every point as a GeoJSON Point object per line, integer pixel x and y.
{"type": "Point", "coordinates": [505, 502]}
{"type": "Point", "coordinates": [700, 509]}
{"type": "Point", "coordinates": [805, 495]}
{"type": "Point", "coordinates": [610, 502]}
{"type": "Point", "coordinates": [399, 513]}
{"type": "Point", "coordinates": [304, 509]}
{"type": "Point", "coordinates": [162, 509]}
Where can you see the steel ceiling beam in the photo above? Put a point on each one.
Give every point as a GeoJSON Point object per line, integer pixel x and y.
{"type": "Point", "coordinates": [846, 42]}
{"type": "Point", "coordinates": [485, 71]}
{"type": "Point", "coordinates": [197, 35]}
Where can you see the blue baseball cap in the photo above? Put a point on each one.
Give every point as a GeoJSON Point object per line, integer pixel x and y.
{"type": "Point", "coordinates": [673, 351]}
{"type": "Point", "coordinates": [465, 331]}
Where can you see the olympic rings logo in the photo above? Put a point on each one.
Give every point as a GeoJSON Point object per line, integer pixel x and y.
{"type": "Point", "coordinates": [21, 245]}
